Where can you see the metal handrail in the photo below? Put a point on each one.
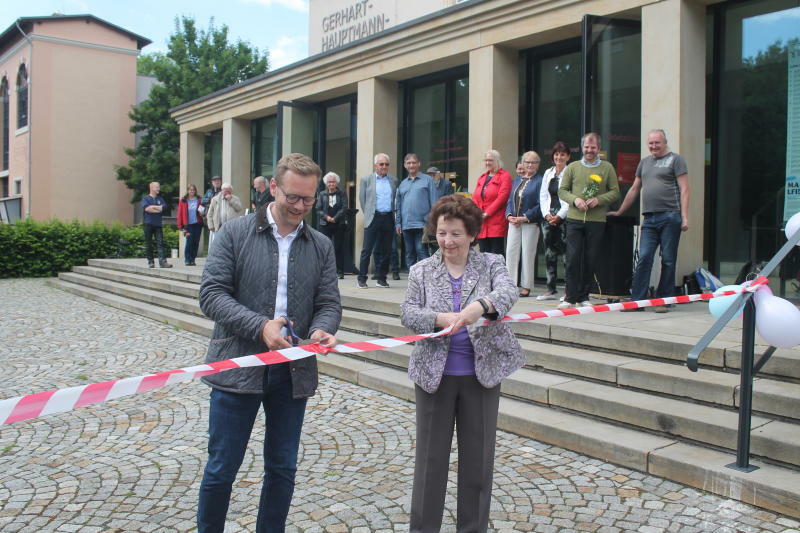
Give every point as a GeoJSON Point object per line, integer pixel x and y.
{"type": "Point", "coordinates": [748, 368]}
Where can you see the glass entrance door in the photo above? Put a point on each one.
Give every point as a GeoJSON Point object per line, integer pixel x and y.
{"type": "Point", "coordinates": [436, 123]}
{"type": "Point", "coordinates": [612, 66]}
{"type": "Point", "coordinates": [299, 129]}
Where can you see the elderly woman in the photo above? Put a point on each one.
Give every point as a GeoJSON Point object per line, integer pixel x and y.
{"type": "Point", "coordinates": [190, 222]}
{"type": "Point", "coordinates": [523, 215]}
{"type": "Point", "coordinates": [491, 195]}
{"type": "Point", "coordinates": [332, 216]}
{"type": "Point", "coordinates": [554, 211]}
{"type": "Point", "coordinates": [458, 376]}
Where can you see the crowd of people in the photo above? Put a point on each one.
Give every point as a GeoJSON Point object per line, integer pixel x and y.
{"type": "Point", "coordinates": [251, 289]}
{"type": "Point", "coordinates": [564, 204]}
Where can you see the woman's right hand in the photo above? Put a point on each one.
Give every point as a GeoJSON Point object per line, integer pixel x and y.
{"type": "Point", "coordinates": [445, 320]}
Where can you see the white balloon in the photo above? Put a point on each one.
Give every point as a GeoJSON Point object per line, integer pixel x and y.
{"type": "Point", "coordinates": [777, 320]}
{"type": "Point", "coordinates": [792, 226]}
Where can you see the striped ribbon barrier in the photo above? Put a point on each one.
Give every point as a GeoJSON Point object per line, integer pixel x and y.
{"type": "Point", "coordinates": [57, 401]}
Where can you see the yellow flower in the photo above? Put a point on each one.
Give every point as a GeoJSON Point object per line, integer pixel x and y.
{"type": "Point", "coordinates": [595, 178]}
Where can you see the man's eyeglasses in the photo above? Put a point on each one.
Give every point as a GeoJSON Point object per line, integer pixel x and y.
{"type": "Point", "coordinates": [530, 162]}
{"type": "Point", "coordinates": [294, 198]}
{"type": "Point", "coordinates": [383, 164]}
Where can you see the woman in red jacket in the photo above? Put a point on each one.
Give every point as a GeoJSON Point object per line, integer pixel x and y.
{"type": "Point", "coordinates": [191, 223]}
{"type": "Point", "coordinates": [491, 195]}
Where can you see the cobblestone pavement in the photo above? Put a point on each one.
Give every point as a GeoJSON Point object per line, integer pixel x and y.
{"type": "Point", "coordinates": [134, 464]}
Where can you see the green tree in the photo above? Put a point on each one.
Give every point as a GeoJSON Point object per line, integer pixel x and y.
{"type": "Point", "coordinates": [197, 62]}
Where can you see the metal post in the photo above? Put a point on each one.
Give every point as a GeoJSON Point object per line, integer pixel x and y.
{"type": "Point", "coordinates": [746, 389]}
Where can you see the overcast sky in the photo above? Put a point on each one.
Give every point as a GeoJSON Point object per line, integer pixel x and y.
{"type": "Point", "coordinates": [278, 25]}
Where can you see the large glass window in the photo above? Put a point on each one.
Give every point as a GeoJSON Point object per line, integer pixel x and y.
{"type": "Point", "coordinates": [339, 150]}
{"type": "Point", "coordinates": [751, 115]}
{"type": "Point", "coordinates": [22, 97]}
{"type": "Point", "coordinates": [555, 99]}
{"type": "Point", "coordinates": [437, 123]}
{"type": "Point", "coordinates": [264, 138]}
{"type": "Point", "coordinates": [212, 156]}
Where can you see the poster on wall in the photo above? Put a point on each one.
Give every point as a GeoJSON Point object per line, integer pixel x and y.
{"type": "Point", "coordinates": [791, 203]}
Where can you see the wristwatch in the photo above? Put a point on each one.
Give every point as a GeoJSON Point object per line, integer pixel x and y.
{"type": "Point", "coordinates": [484, 305]}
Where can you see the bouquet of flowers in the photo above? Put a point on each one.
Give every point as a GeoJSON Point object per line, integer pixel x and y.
{"type": "Point", "coordinates": [591, 189]}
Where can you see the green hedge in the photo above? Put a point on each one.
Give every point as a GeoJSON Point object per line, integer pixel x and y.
{"type": "Point", "coordinates": [41, 249]}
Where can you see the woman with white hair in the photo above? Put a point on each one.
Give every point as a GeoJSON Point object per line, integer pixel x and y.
{"type": "Point", "coordinates": [332, 216]}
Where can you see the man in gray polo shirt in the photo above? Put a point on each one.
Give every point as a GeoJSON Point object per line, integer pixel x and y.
{"type": "Point", "coordinates": [663, 180]}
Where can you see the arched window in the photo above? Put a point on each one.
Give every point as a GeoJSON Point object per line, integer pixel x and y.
{"type": "Point", "coordinates": [22, 97]}
{"type": "Point", "coordinates": [4, 110]}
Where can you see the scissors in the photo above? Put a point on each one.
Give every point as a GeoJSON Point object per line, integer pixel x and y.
{"type": "Point", "coordinates": [293, 337]}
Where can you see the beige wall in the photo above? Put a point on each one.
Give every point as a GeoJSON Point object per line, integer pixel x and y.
{"type": "Point", "coordinates": [80, 97]}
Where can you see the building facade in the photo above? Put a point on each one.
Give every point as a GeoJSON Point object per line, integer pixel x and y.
{"type": "Point", "coordinates": [67, 83]}
{"type": "Point", "coordinates": [514, 75]}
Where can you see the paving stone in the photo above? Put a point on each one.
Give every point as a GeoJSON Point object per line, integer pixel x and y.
{"type": "Point", "coordinates": [135, 464]}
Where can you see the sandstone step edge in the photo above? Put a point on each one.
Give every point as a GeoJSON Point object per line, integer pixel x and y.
{"type": "Point", "coordinates": [165, 273]}
{"type": "Point", "coordinates": [173, 302]}
{"type": "Point", "coordinates": [169, 286]}
{"type": "Point", "coordinates": [194, 324]}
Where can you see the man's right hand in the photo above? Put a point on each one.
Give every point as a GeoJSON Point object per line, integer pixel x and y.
{"type": "Point", "coordinates": [271, 334]}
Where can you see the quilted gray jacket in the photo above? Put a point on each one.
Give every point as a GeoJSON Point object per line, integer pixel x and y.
{"type": "Point", "coordinates": [238, 292]}
{"type": "Point", "coordinates": [497, 351]}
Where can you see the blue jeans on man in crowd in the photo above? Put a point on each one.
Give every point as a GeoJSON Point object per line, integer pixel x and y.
{"type": "Point", "coordinates": [230, 422]}
{"type": "Point", "coordinates": [657, 230]}
{"type": "Point", "coordinates": [416, 250]}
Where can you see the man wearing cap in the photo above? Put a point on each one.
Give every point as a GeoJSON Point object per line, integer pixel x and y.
{"type": "Point", "coordinates": [443, 185]}
{"type": "Point", "coordinates": [205, 202]}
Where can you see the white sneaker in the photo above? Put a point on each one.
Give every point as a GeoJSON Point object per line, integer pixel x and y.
{"type": "Point", "coordinates": [543, 297]}
{"type": "Point", "coordinates": [562, 298]}
{"type": "Point", "coordinates": [564, 305]}
{"type": "Point", "coordinates": [585, 303]}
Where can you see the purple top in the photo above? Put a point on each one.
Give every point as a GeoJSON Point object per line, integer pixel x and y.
{"type": "Point", "coordinates": [461, 356]}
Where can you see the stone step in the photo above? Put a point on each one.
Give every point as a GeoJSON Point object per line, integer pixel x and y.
{"type": "Point", "coordinates": [770, 438]}
{"type": "Point", "coordinates": [666, 337]}
{"type": "Point", "coordinates": [155, 297]}
{"type": "Point", "coordinates": [712, 386]}
{"type": "Point", "coordinates": [773, 487]}
{"type": "Point", "coordinates": [180, 288]}
{"type": "Point", "coordinates": [189, 322]}
{"type": "Point", "coordinates": [139, 266]}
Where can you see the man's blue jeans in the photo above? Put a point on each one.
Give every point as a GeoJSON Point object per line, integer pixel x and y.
{"type": "Point", "coordinates": [658, 230]}
{"type": "Point", "coordinates": [230, 422]}
{"type": "Point", "coordinates": [416, 251]}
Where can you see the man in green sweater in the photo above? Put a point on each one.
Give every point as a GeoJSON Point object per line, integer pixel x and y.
{"type": "Point", "coordinates": [589, 186]}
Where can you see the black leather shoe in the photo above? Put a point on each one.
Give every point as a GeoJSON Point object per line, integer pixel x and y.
{"type": "Point", "coordinates": [396, 276]}
{"type": "Point", "coordinates": [341, 275]}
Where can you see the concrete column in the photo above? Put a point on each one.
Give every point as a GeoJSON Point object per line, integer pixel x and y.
{"type": "Point", "coordinates": [236, 157]}
{"type": "Point", "coordinates": [192, 151]}
{"type": "Point", "coordinates": [377, 132]}
{"type": "Point", "coordinates": [673, 85]}
{"type": "Point", "coordinates": [493, 109]}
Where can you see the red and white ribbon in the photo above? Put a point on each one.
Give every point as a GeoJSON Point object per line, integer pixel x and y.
{"type": "Point", "coordinates": [60, 400]}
